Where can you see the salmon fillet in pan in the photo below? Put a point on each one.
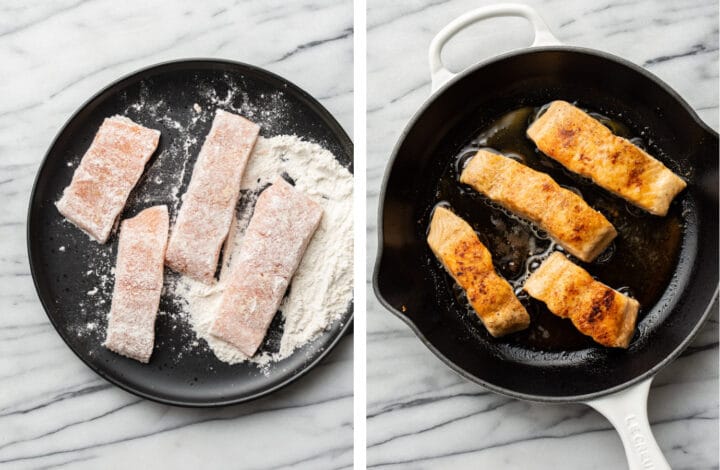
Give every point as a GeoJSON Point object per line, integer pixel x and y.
{"type": "Point", "coordinates": [107, 173]}
{"type": "Point", "coordinates": [280, 229]}
{"type": "Point", "coordinates": [457, 246]}
{"type": "Point", "coordinates": [138, 284]}
{"type": "Point", "coordinates": [566, 217]}
{"type": "Point", "coordinates": [208, 205]}
{"type": "Point", "coordinates": [595, 309]}
{"type": "Point", "coordinates": [584, 146]}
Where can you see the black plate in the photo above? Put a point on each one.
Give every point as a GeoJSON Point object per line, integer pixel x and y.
{"type": "Point", "coordinates": [65, 278]}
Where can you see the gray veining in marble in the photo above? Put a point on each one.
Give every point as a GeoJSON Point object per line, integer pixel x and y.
{"type": "Point", "coordinates": [422, 415]}
{"type": "Point", "coordinates": [54, 411]}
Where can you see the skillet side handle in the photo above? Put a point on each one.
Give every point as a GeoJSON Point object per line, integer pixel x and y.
{"type": "Point", "coordinates": [440, 74]}
{"type": "Point", "coordinates": [627, 411]}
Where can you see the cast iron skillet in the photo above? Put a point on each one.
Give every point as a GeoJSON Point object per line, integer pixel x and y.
{"type": "Point", "coordinates": [67, 267]}
{"type": "Point", "coordinates": [453, 115]}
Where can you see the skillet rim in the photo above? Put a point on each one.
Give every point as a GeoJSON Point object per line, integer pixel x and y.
{"type": "Point", "coordinates": [337, 129]}
{"type": "Point", "coordinates": [380, 227]}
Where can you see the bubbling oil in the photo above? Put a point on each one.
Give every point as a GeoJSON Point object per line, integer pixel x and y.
{"type": "Point", "coordinates": [639, 262]}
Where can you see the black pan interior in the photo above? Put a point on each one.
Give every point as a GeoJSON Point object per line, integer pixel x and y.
{"type": "Point", "coordinates": [68, 268]}
{"type": "Point", "coordinates": [406, 279]}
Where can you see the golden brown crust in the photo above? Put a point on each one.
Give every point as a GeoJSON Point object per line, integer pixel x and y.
{"type": "Point", "coordinates": [468, 261]}
{"type": "Point", "coordinates": [567, 218]}
{"type": "Point", "coordinates": [583, 145]}
{"type": "Point", "coordinates": [595, 309]}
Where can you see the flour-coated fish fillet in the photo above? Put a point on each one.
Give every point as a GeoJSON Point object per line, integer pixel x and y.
{"type": "Point", "coordinates": [595, 309]}
{"type": "Point", "coordinates": [208, 205]}
{"type": "Point", "coordinates": [463, 255]}
{"type": "Point", "coordinates": [138, 284]}
{"type": "Point", "coordinates": [282, 225]}
{"type": "Point", "coordinates": [107, 173]}
{"type": "Point", "coordinates": [585, 146]}
{"type": "Point", "coordinates": [565, 216]}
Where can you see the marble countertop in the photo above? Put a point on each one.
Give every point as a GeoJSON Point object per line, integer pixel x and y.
{"type": "Point", "coordinates": [421, 414]}
{"type": "Point", "coordinates": [54, 411]}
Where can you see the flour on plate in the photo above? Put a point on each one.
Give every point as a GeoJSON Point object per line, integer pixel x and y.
{"type": "Point", "coordinates": [321, 290]}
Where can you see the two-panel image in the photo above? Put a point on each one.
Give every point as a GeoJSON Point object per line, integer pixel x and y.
{"type": "Point", "coordinates": [359, 234]}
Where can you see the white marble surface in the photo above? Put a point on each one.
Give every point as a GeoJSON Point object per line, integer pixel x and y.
{"type": "Point", "coordinates": [421, 415]}
{"type": "Point", "coordinates": [54, 411]}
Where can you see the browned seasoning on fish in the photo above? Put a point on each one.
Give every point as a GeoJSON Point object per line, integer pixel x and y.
{"type": "Point", "coordinates": [595, 309]}
{"type": "Point", "coordinates": [463, 255]}
{"type": "Point", "coordinates": [583, 145]}
{"type": "Point", "coordinates": [533, 195]}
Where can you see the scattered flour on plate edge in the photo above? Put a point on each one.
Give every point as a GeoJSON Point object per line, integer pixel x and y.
{"type": "Point", "coordinates": [321, 290]}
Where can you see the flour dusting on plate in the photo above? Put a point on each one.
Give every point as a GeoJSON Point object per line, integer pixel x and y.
{"type": "Point", "coordinates": [321, 290]}
{"type": "Point", "coordinates": [320, 293]}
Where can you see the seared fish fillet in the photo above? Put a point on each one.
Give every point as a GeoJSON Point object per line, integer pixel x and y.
{"type": "Point", "coordinates": [595, 309]}
{"type": "Point", "coordinates": [138, 284]}
{"type": "Point", "coordinates": [564, 215]}
{"type": "Point", "coordinates": [274, 243]}
{"type": "Point", "coordinates": [106, 175]}
{"type": "Point", "coordinates": [583, 145]}
{"type": "Point", "coordinates": [468, 261]}
{"type": "Point", "coordinates": [208, 205]}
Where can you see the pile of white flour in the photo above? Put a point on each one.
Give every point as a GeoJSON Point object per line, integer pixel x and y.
{"type": "Point", "coordinates": [321, 290]}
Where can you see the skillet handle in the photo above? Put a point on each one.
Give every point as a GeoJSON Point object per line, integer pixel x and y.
{"type": "Point", "coordinates": [627, 411]}
{"type": "Point", "coordinates": [438, 72]}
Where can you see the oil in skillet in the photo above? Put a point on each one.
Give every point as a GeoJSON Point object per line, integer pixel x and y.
{"type": "Point", "coordinates": [639, 262]}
